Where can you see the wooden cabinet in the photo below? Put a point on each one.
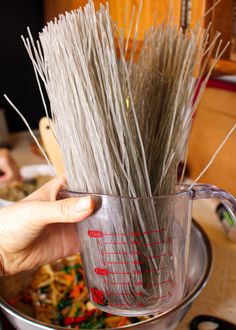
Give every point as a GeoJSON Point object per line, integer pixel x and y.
{"type": "Point", "coordinates": [223, 19]}
{"type": "Point", "coordinates": [119, 9]}
{"type": "Point", "coordinates": [215, 116]}
{"type": "Point", "coordinates": [152, 11]}
{"type": "Point", "coordinates": [189, 12]}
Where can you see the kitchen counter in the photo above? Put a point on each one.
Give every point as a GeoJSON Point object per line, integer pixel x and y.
{"type": "Point", "coordinates": [22, 149]}
{"type": "Point", "coordinates": [218, 298]}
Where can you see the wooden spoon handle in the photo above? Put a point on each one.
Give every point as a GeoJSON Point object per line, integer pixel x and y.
{"type": "Point", "coordinates": [50, 144]}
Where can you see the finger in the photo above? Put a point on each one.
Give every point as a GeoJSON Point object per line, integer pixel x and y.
{"type": "Point", "coordinates": [48, 191]}
{"type": "Point", "coordinates": [69, 210]}
{"type": "Point", "coordinates": [16, 173]}
{"type": "Point", "coordinates": [9, 168]}
{"type": "Point", "coordinates": [3, 178]}
{"type": "Point", "coordinates": [7, 176]}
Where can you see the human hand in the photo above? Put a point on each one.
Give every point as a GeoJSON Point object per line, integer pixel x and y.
{"type": "Point", "coordinates": [8, 168]}
{"type": "Point", "coordinates": [39, 229]}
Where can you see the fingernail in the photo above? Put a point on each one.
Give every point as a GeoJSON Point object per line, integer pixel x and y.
{"type": "Point", "coordinates": [83, 204]}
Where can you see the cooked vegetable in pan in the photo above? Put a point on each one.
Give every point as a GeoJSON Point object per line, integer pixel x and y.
{"type": "Point", "coordinates": [60, 297]}
{"type": "Point", "coordinates": [20, 190]}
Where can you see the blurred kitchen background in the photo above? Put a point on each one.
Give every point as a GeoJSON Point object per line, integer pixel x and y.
{"type": "Point", "coordinates": [216, 113]}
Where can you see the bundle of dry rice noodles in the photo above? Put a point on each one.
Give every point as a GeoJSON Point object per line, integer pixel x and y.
{"type": "Point", "coordinates": [123, 128]}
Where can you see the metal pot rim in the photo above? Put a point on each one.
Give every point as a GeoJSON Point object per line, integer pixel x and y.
{"type": "Point", "coordinates": [187, 300]}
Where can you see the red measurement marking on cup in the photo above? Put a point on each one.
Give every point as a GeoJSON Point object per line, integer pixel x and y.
{"type": "Point", "coordinates": [140, 272]}
{"type": "Point", "coordinates": [170, 294]}
{"type": "Point", "coordinates": [160, 283]}
{"type": "Point", "coordinates": [110, 293]}
{"type": "Point", "coordinates": [104, 234]}
{"type": "Point", "coordinates": [133, 234]}
{"type": "Point", "coordinates": [135, 253]}
{"type": "Point", "coordinates": [132, 253]}
{"type": "Point", "coordinates": [137, 233]}
{"type": "Point", "coordinates": [168, 254]}
{"type": "Point", "coordinates": [117, 283]}
{"type": "Point", "coordinates": [126, 305]}
{"type": "Point", "coordinates": [168, 241]}
{"type": "Point", "coordinates": [114, 243]}
{"type": "Point", "coordinates": [106, 272]}
{"type": "Point", "coordinates": [98, 233]}
{"type": "Point", "coordinates": [139, 283]}
{"type": "Point", "coordinates": [134, 262]}
{"type": "Point", "coordinates": [114, 253]}
{"type": "Point", "coordinates": [137, 262]}
{"type": "Point", "coordinates": [116, 262]}
{"type": "Point", "coordinates": [135, 242]}
{"type": "Point", "coordinates": [120, 243]}
{"type": "Point", "coordinates": [155, 270]}
{"type": "Point", "coordinates": [112, 234]}
{"type": "Point", "coordinates": [158, 298]}
{"type": "Point", "coordinates": [120, 273]}
{"type": "Point", "coordinates": [154, 231]}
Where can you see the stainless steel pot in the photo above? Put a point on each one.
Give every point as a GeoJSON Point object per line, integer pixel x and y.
{"type": "Point", "coordinates": [200, 261]}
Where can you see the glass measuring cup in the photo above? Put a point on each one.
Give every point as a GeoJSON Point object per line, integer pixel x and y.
{"type": "Point", "coordinates": [134, 267]}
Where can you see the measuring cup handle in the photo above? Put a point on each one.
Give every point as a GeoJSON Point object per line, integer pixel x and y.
{"type": "Point", "coordinates": [201, 191]}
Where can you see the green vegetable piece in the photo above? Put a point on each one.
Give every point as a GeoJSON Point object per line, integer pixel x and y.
{"type": "Point", "coordinates": [105, 302]}
{"type": "Point", "coordinates": [134, 319]}
{"type": "Point", "coordinates": [63, 303]}
{"type": "Point", "coordinates": [67, 269]}
{"type": "Point", "coordinates": [77, 312]}
{"type": "Point", "coordinates": [78, 266]}
{"type": "Point", "coordinates": [94, 322]}
{"type": "Point", "coordinates": [78, 275]}
{"type": "Point", "coordinates": [60, 318]}
{"type": "Point", "coordinates": [44, 289]}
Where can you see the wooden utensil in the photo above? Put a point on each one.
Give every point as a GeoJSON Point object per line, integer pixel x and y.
{"type": "Point", "coordinates": [50, 144]}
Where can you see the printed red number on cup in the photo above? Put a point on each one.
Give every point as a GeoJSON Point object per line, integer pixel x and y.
{"type": "Point", "coordinates": [101, 271]}
{"type": "Point", "coordinates": [97, 296]}
{"type": "Point", "coordinates": [95, 233]}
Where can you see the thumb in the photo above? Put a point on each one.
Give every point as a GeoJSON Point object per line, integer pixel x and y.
{"type": "Point", "coordinates": [68, 210]}
{"type": "Point", "coordinates": [71, 209]}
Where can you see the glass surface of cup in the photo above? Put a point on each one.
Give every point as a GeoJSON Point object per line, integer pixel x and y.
{"type": "Point", "coordinates": [135, 252]}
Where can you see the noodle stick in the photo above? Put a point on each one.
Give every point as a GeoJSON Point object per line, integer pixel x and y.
{"type": "Point", "coordinates": [123, 126]}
